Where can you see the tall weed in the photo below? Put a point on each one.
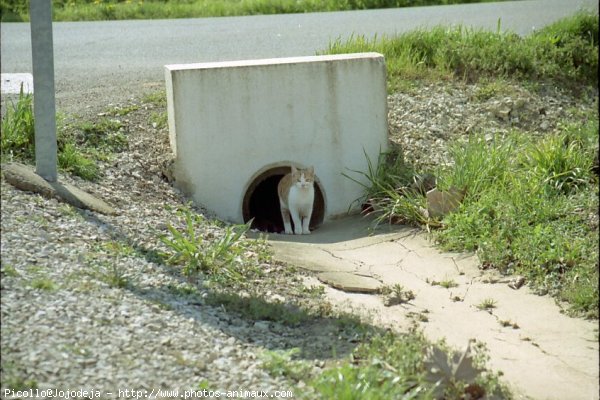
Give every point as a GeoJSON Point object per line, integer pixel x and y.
{"type": "Point", "coordinates": [18, 141]}
{"type": "Point", "coordinates": [388, 190]}
{"type": "Point", "coordinates": [478, 164]}
{"type": "Point", "coordinates": [18, 131]}
{"type": "Point", "coordinates": [218, 256]}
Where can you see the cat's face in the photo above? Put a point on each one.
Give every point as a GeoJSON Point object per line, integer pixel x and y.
{"type": "Point", "coordinates": [303, 178]}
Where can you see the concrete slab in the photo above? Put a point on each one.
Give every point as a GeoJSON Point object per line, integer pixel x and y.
{"type": "Point", "coordinates": [23, 177]}
{"type": "Point", "coordinates": [543, 353]}
{"type": "Point", "coordinates": [350, 282]}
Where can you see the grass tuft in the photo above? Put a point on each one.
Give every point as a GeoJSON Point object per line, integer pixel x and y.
{"type": "Point", "coordinates": [18, 141]}
{"type": "Point", "coordinates": [487, 304]}
{"type": "Point", "coordinates": [217, 253]}
{"type": "Point", "coordinates": [18, 131]}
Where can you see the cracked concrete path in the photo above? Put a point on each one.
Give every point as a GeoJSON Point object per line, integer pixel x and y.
{"type": "Point", "coordinates": [543, 353]}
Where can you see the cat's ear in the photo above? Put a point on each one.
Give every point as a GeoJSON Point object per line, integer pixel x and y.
{"type": "Point", "coordinates": [294, 170]}
{"type": "Point", "coordinates": [311, 170]}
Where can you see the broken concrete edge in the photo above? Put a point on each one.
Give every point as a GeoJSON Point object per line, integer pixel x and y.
{"type": "Point", "coordinates": [350, 282]}
{"type": "Point", "coordinates": [346, 281]}
{"type": "Point", "coordinates": [24, 178]}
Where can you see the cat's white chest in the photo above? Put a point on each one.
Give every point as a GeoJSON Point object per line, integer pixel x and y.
{"type": "Point", "coordinates": [301, 199]}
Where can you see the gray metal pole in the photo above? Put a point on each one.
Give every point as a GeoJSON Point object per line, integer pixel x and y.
{"type": "Point", "coordinates": [40, 14]}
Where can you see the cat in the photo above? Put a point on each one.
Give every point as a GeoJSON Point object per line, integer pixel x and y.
{"type": "Point", "coordinates": [296, 196]}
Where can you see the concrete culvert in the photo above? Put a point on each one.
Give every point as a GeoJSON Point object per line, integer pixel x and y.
{"type": "Point", "coordinates": [261, 202]}
{"type": "Point", "coordinates": [233, 123]}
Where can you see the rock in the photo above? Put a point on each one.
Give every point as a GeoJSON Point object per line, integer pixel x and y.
{"type": "Point", "coordinates": [441, 203]}
{"type": "Point", "coordinates": [517, 282]}
{"type": "Point", "coordinates": [262, 325]}
{"type": "Point", "coordinates": [502, 112]}
{"type": "Point", "coordinates": [24, 178]}
{"type": "Point", "coordinates": [276, 298]}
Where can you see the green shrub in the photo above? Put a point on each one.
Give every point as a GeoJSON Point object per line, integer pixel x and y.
{"type": "Point", "coordinates": [71, 160]}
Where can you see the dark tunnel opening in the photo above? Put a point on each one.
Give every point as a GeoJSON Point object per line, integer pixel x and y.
{"type": "Point", "coordinates": [261, 202]}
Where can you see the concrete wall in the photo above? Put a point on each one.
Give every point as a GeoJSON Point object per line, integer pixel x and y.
{"type": "Point", "coordinates": [231, 121]}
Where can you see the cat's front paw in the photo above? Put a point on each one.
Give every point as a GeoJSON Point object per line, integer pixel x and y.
{"type": "Point", "coordinates": [298, 232]}
{"type": "Point", "coordinates": [306, 232]}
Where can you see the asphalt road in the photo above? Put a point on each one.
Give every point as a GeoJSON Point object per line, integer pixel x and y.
{"type": "Point", "coordinates": [103, 62]}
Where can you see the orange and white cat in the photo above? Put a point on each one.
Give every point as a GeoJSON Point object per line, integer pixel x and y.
{"type": "Point", "coordinates": [296, 196]}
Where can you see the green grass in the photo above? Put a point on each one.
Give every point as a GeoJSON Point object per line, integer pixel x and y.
{"type": "Point", "coordinates": [80, 144]}
{"type": "Point", "coordinates": [566, 51]}
{"type": "Point", "coordinates": [532, 216]}
{"type": "Point", "coordinates": [255, 308]}
{"type": "Point", "coordinates": [223, 256]}
{"type": "Point", "coordinates": [384, 365]}
{"type": "Point", "coordinates": [105, 134]}
{"type": "Point", "coordinates": [159, 120]}
{"type": "Point", "coordinates": [18, 131]}
{"type": "Point", "coordinates": [16, 378]}
{"type": "Point", "coordinates": [447, 283]}
{"type": "Point", "coordinates": [528, 199]}
{"type": "Point", "coordinates": [407, 366]}
{"type": "Point", "coordinates": [281, 363]}
{"type": "Point", "coordinates": [396, 294]}
{"type": "Point", "coordinates": [18, 141]}
{"type": "Point", "coordinates": [71, 160]}
{"type": "Point", "coordinates": [487, 304]}
{"type": "Point", "coordinates": [87, 10]}
{"type": "Point", "coordinates": [526, 211]}
{"type": "Point", "coordinates": [43, 283]}
{"type": "Point", "coordinates": [9, 271]}
{"type": "Point", "coordinates": [113, 273]}
{"type": "Point", "coordinates": [157, 98]}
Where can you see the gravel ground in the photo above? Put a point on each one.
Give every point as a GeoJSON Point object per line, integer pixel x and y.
{"type": "Point", "coordinates": [67, 322]}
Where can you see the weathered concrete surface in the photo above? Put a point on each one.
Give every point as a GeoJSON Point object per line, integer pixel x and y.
{"type": "Point", "coordinates": [543, 353]}
{"type": "Point", "coordinates": [350, 282]}
{"type": "Point", "coordinates": [231, 122]}
{"type": "Point", "coordinates": [24, 178]}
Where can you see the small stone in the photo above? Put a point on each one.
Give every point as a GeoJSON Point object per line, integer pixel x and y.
{"type": "Point", "coordinates": [517, 282]}
{"type": "Point", "coordinates": [261, 325]}
{"type": "Point", "coordinates": [276, 298]}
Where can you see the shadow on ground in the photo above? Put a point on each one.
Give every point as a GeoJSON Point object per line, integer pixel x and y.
{"type": "Point", "coordinates": [339, 230]}
{"type": "Point", "coordinates": [276, 325]}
